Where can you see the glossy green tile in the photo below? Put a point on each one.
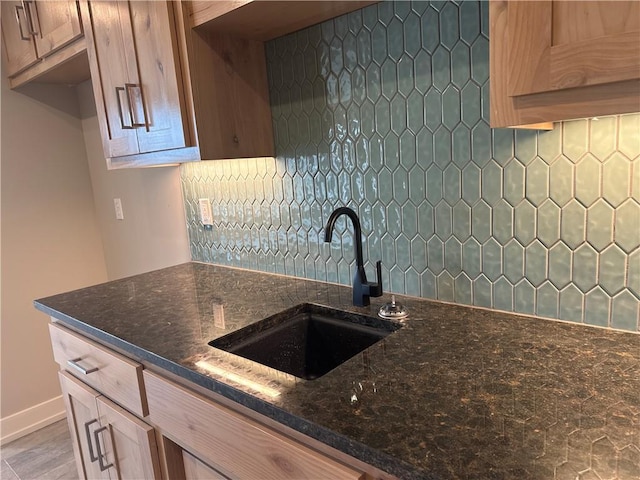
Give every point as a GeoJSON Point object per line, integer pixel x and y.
{"type": "Point", "coordinates": [600, 224]}
{"type": "Point", "coordinates": [379, 44]}
{"type": "Point", "coordinates": [629, 141]}
{"type": "Point", "coordinates": [616, 176]}
{"type": "Point", "coordinates": [430, 30]}
{"type": "Point", "coordinates": [451, 110]}
{"type": "Point", "coordinates": [492, 183]}
{"type": "Point", "coordinates": [572, 223]}
{"type": "Point", "coordinates": [443, 220]}
{"type": "Point", "coordinates": [627, 222]}
{"type": "Point", "coordinates": [480, 60]}
{"type": "Point", "coordinates": [547, 300]}
{"type": "Point", "coordinates": [472, 257]}
{"type": "Point", "coordinates": [602, 136]}
{"type": "Point", "coordinates": [435, 254]}
{"type": "Point", "coordinates": [481, 144]}
{"type": "Point", "coordinates": [460, 65]}
{"type": "Point", "coordinates": [434, 184]}
{"type": "Point", "coordinates": [442, 147]}
{"type": "Point", "coordinates": [571, 304]}
{"type": "Point", "coordinates": [463, 292]}
{"type": "Point", "coordinates": [502, 217]}
{"type": "Point", "coordinates": [469, 21]}
{"type": "Point", "coordinates": [536, 263]}
{"type": "Point", "coordinates": [550, 144]}
{"type": "Point", "coordinates": [514, 182]}
{"type": "Point", "coordinates": [585, 267]}
{"type": "Point", "coordinates": [471, 183]}
{"type": "Point", "coordinates": [424, 148]}
{"type": "Point", "coordinates": [452, 178]}
{"type": "Point", "coordinates": [537, 181]}
{"type": "Point", "coordinates": [422, 69]}
{"type": "Point", "coordinates": [445, 287]}
{"type": "Point", "coordinates": [548, 222]}
{"type": "Point", "coordinates": [481, 221]}
{"type": "Point", "coordinates": [426, 224]}
{"type": "Point", "coordinates": [418, 253]}
{"type": "Point", "coordinates": [514, 261]}
{"type": "Point", "coordinates": [461, 145]}
{"type": "Point", "coordinates": [612, 270]}
{"type": "Point", "coordinates": [596, 307]}
{"type": "Point", "coordinates": [453, 256]}
{"type": "Point", "coordinates": [503, 294]}
{"type": "Point", "coordinates": [398, 114]}
{"type": "Point", "coordinates": [428, 284]}
{"type": "Point", "coordinates": [412, 282]}
{"type": "Point", "coordinates": [417, 185]}
{"type": "Point", "coordinates": [411, 30]}
{"type": "Point", "coordinates": [415, 112]}
{"type": "Point", "coordinates": [561, 180]}
{"type": "Point", "coordinates": [441, 68]}
{"type": "Point", "coordinates": [575, 139]}
{"type": "Point", "coordinates": [560, 265]}
{"type": "Point", "coordinates": [492, 259]}
{"type": "Point", "coordinates": [524, 220]}
{"type": "Point", "coordinates": [525, 297]}
{"type": "Point", "coordinates": [409, 219]}
{"type": "Point", "coordinates": [625, 311]}
{"type": "Point", "coordinates": [482, 292]}
{"type": "Point", "coordinates": [389, 72]}
{"type": "Point", "coordinates": [470, 104]}
{"type": "Point", "coordinates": [383, 117]}
{"type": "Point", "coordinates": [461, 221]}
{"type": "Point", "coordinates": [433, 109]}
{"type": "Point", "coordinates": [373, 78]}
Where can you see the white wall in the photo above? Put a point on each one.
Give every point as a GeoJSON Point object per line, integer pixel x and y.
{"type": "Point", "coordinates": [50, 242]}
{"type": "Point", "coordinates": [153, 233]}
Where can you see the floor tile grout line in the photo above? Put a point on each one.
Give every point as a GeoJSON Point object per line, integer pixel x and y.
{"type": "Point", "coordinates": [12, 470]}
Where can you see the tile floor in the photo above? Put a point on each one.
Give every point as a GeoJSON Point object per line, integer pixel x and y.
{"type": "Point", "coordinates": [46, 454]}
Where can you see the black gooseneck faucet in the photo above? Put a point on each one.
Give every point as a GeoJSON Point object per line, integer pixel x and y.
{"type": "Point", "coordinates": [362, 289]}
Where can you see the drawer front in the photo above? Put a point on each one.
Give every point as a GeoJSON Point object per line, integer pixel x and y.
{"type": "Point", "coordinates": [236, 446]}
{"type": "Point", "coordinates": [110, 373]}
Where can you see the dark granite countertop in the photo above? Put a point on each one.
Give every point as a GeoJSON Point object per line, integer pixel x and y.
{"type": "Point", "coordinates": [458, 393]}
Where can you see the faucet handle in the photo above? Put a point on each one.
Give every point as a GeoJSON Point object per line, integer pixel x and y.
{"type": "Point", "coordinates": [375, 289]}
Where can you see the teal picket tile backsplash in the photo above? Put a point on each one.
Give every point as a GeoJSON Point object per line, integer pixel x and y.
{"type": "Point", "coordinates": [386, 110]}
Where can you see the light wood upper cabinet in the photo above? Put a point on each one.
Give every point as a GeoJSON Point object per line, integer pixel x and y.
{"type": "Point", "coordinates": [136, 82]}
{"type": "Point", "coordinates": [558, 60]}
{"type": "Point", "coordinates": [58, 24]}
{"type": "Point", "coordinates": [43, 41]}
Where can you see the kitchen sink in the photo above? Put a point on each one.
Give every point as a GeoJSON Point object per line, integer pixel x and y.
{"type": "Point", "coordinates": [306, 341]}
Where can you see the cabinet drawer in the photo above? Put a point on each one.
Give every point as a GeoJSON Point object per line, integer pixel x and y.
{"type": "Point", "coordinates": [111, 374]}
{"type": "Point", "coordinates": [237, 446]}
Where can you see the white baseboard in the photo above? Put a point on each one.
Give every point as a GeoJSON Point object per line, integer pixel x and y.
{"type": "Point", "coordinates": [32, 419]}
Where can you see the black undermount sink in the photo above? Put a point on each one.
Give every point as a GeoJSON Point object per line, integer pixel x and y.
{"type": "Point", "coordinates": [306, 341]}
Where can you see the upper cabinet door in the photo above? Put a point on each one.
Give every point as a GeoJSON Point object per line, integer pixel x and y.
{"type": "Point", "coordinates": [17, 35]}
{"type": "Point", "coordinates": [559, 60]}
{"type": "Point", "coordinates": [58, 23]}
{"type": "Point", "coordinates": [134, 76]}
{"type": "Point", "coordinates": [571, 44]}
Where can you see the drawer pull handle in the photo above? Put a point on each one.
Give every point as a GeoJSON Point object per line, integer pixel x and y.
{"type": "Point", "coordinates": [85, 371]}
{"type": "Point", "coordinates": [96, 435]}
{"type": "Point", "coordinates": [86, 429]}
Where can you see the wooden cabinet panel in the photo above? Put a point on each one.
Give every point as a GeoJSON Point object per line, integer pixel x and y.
{"type": "Point", "coordinates": [265, 20]}
{"type": "Point", "coordinates": [128, 444]}
{"type": "Point", "coordinates": [555, 60]}
{"type": "Point", "coordinates": [194, 469]}
{"type": "Point", "coordinates": [106, 371]}
{"type": "Point", "coordinates": [543, 58]}
{"type": "Point", "coordinates": [19, 48]}
{"type": "Point", "coordinates": [83, 419]}
{"type": "Point", "coordinates": [135, 76]}
{"type": "Point", "coordinates": [233, 444]}
{"type": "Point", "coordinates": [58, 24]}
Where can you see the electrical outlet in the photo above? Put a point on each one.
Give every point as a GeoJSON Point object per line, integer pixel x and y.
{"type": "Point", "coordinates": [117, 203]}
{"type": "Point", "coordinates": [206, 215]}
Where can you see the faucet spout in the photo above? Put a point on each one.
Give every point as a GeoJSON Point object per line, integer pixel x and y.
{"type": "Point", "coordinates": [362, 289]}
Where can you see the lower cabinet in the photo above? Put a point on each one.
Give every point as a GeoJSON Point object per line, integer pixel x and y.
{"type": "Point", "coordinates": [184, 435]}
{"type": "Point", "coordinates": [109, 442]}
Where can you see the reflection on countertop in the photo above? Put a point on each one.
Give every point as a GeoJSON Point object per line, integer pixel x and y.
{"type": "Point", "coordinates": [457, 393]}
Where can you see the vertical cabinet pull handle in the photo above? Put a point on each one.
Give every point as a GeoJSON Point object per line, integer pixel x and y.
{"type": "Point", "coordinates": [85, 371]}
{"type": "Point", "coordinates": [27, 7]}
{"type": "Point", "coordinates": [128, 91]}
{"type": "Point", "coordinates": [120, 90]}
{"type": "Point", "coordinates": [22, 35]}
{"type": "Point", "coordinates": [96, 435]}
{"type": "Point", "coordinates": [129, 88]}
{"type": "Point", "coordinates": [92, 455]}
